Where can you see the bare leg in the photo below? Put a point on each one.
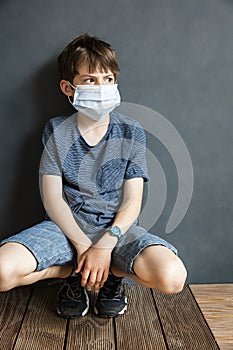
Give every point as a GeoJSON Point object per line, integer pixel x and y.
{"type": "Point", "coordinates": [159, 268]}
{"type": "Point", "coordinates": [18, 265]}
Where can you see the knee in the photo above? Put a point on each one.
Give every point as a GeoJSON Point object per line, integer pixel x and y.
{"type": "Point", "coordinates": [159, 268]}
{"type": "Point", "coordinates": [172, 279]}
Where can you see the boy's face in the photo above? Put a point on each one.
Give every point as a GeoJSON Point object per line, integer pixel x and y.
{"type": "Point", "coordinates": [86, 78]}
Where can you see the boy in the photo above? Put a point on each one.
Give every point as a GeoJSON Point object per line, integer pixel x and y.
{"type": "Point", "coordinates": [91, 180]}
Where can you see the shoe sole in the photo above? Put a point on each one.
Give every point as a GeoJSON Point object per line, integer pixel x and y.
{"type": "Point", "coordinates": [74, 317]}
{"type": "Point", "coordinates": [110, 316]}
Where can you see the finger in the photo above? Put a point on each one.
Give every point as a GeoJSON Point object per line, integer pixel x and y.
{"type": "Point", "coordinates": [105, 275]}
{"type": "Point", "coordinates": [97, 287]}
{"type": "Point", "coordinates": [99, 277]}
{"type": "Point", "coordinates": [85, 276]}
{"type": "Point", "coordinates": [92, 280]}
{"type": "Point", "coordinates": [98, 282]}
{"type": "Point", "coordinates": [81, 264]}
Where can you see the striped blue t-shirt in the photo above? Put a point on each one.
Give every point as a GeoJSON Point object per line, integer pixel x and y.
{"type": "Point", "coordinates": [93, 176]}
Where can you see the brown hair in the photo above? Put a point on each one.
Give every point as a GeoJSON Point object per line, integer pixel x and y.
{"type": "Point", "coordinates": [90, 50]}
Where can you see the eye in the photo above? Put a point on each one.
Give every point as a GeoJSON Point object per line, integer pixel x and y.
{"type": "Point", "coordinates": [89, 81]}
{"type": "Point", "coordinates": [110, 80]}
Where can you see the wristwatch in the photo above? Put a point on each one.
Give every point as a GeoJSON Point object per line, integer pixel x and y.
{"type": "Point", "coordinates": [115, 231]}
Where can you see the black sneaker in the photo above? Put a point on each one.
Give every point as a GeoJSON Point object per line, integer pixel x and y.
{"type": "Point", "coordinates": [73, 300]}
{"type": "Point", "coordinates": [111, 300]}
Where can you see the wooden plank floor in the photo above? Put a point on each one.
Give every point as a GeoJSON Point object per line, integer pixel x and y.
{"type": "Point", "coordinates": [216, 303]}
{"type": "Point", "coordinates": [154, 321]}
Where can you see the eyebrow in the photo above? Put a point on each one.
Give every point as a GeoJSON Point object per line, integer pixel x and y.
{"type": "Point", "coordinates": [93, 75]}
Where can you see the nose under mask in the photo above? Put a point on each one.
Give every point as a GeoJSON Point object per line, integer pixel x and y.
{"type": "Point", "coordinates": [95, 101]}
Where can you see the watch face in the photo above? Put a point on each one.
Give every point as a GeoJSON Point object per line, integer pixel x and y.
{"type": "Point", "coordinates": [115, 229]}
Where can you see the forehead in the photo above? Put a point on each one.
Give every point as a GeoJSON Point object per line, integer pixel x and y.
{"type": "Point", "coordinates": [84, 69]}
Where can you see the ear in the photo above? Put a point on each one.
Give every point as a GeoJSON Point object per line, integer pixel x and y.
{"type": "Point", "coordinates": [66, 88]}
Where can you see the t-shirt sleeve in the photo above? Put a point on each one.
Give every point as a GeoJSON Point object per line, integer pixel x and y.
{"type": "Point", "coordinates": [50, 160]}
{"type": "Point", "coordinates": [137, 165]}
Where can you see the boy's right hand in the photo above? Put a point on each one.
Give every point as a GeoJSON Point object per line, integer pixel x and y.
{"type": "Point", "coordinates": [94, 265]}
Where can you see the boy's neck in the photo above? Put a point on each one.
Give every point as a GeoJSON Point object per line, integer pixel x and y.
{"type": "Point", "coordinates": [86, 123]}
{"type": "Point", "coordinates": [92, 131]}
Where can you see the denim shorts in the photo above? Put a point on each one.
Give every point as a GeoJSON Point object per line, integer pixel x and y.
{"type": "Point", "coordinates": [50, 246]}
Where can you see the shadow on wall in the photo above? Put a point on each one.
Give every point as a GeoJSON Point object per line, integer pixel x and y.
{"type": "Point", "coordinates": [26, 207]}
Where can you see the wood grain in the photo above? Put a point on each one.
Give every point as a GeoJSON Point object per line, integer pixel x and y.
{"type": "Point", "coordinates": [154, 321]}
{"type": "Point", "coordinates": [212, 291]}
{"type": "Point", "coordinates": [13, 305]}
{"type": "Point", "coordinates": [183, 324]}
{"type": "Point", "coordinates": [91, 332]}
{"type": "Point", "coordinates": [42, 328]}
{"type": "Point", "coordinates": [216, 303]}
{"type": "Point", "coordinates": [139, 327]}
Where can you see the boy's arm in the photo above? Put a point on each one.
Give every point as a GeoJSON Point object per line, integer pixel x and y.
{"type": "Point", "coordinates": [95, 262]}
{"type": "Point", "coordinates": [128, 212]}
{"type": "Point", "coordinates": [59, 212]}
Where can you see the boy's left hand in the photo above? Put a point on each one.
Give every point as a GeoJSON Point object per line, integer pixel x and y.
{"type": "Point", "coordinates": [94, 267]}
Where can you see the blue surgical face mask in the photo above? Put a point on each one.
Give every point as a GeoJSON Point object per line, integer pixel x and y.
{"type": "Point", "coordinates": [95, 101]}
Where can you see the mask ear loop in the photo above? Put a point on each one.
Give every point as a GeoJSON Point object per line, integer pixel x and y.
{"type": "Point", "coordinates": [69, 99]}
{"type": "Point", "coordinates": [74, 87]}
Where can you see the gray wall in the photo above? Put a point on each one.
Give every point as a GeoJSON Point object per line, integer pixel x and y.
{"type": "Point", "coordinates": [176, 57]}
